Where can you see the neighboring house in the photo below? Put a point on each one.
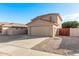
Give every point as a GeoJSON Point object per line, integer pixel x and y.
{"type": "Point", "coordinates": [45, 25]}
{"type": "Point", "coordinates": [12, 28]}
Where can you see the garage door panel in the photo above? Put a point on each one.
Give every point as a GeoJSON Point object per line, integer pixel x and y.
{"type": "Point", "coordinates": [40, 31]}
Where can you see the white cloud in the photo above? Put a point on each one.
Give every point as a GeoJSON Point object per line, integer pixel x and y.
{"type": "Point", "coordinates": [71, 17]}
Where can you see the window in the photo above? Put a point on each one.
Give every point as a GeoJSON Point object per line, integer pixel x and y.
{"type": "Point", "coordinates": [53, 19]}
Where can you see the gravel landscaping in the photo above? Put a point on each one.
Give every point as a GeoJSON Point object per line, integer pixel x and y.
{"type": "Point", "coordinates": [62, 45]}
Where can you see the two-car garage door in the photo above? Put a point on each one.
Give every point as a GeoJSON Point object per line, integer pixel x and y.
{"type": "Point", "coordinates": [41, 30]}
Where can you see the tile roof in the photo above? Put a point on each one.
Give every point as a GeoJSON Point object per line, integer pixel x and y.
{"type": "Point", "coordinates": [12, 24]}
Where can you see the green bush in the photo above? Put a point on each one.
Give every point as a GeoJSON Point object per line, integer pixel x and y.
{"type": "Point", "coordinates": [70, 24]}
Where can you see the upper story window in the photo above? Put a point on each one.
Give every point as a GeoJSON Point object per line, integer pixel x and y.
{"type": "Point", "coordinates": [53, 19]}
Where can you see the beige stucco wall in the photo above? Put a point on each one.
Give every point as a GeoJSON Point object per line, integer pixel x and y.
{"type": "Point", "coordinates": [40, 27]}
{"type": "Point", "coordinates": [59, 22]}
{"type": "Point", "coordinates": [29, 30]}
{"type": "Point", "coordinates": [39, 23]}
{"type": "Point", "coordinates": [12, 31]}
{"type": "Point", "coordinates": [4, 30]}
{"type": "Point", "coordinates": [74, 31]}
{"type": "Point", "coordinates": [56, 28]}
{"type": "Point", "coordinates": [55, 31]}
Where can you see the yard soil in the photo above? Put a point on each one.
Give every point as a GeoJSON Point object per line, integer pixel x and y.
{"type": "Point", "coordinates": [52, 45]}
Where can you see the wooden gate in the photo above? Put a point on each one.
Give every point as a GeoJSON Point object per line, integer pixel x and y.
{"type": "Point", "coordinates": [64, 32]}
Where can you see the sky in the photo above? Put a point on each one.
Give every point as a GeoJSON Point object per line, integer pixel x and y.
{"type": "Point", "coordinates": [25, 12]}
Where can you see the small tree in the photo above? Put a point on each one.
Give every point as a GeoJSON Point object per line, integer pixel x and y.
{"type": "Point", "coordinates": [70, 24]}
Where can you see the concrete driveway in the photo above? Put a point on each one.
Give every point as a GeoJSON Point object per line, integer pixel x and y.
{"type": "Point", "coordinates": [20, 45]}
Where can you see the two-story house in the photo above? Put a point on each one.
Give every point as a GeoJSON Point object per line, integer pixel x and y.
{"type": "Point", "coordinates": [45, 25]}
